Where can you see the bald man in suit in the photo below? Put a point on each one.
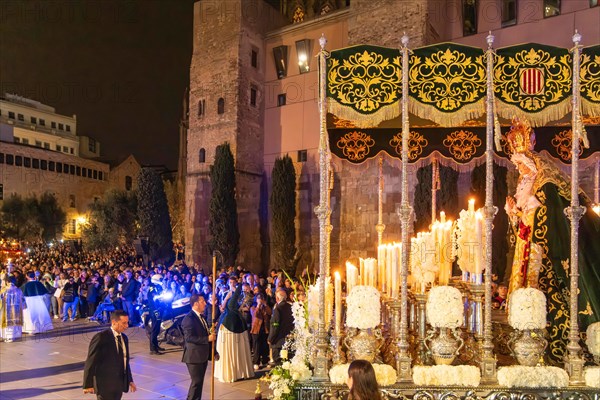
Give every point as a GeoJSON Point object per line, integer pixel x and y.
{"type": "Point", "coordinates": [107, 373]}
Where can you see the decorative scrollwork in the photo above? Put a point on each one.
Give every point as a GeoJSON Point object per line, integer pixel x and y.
{"type": "Point", "coordinates": [355, 145]}
{"type": "Point", "coordinates": [533, 79]}
{"type": "Point", "coordinates": [447, 79]}
{"type": "Point", "coordinates": [416, 144]}
{"type": "Point", "coordinates": [563, 142]}
{"type": "Point", "coordinates": [462, 144]}
{"type": "Point", "coordinates": [365, 81]}
{"type": "Point", "coordinates": [590, 77]}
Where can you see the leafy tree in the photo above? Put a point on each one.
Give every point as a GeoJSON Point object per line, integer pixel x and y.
{"type": "Point", "coordinates": [153, 214]}
{"type": "Point", "coordinates": [283, 208]}
{"type": "Point", "coordinates": [113, 220]}
{"type": "Point", "coordinates": [175, 199]}
{"type": "Point", "coordinates": [51, 217]}
{"type": "Point", "coordinates": [222, 209]}
{"type": "Point", "coordinates": [20, 218]}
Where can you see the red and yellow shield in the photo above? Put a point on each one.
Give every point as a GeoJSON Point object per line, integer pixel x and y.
{"type": "Point", "coordinates": [531, 81]}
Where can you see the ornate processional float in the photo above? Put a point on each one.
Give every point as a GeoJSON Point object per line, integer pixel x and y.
{"type": "Point", "coordinates": [430, 334]}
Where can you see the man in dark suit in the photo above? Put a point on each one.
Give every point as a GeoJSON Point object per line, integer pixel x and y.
{"type": "Point", "coordinates": [197, 348]}
{"type": "Point", "coordinates": [107, 372]}
{"type": "Point", "coordinates": [282, 323]}
{"type": "Point", "coordinates": [129, 293]}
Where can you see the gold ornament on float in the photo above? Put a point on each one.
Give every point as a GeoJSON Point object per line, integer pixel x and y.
{"type": "Point", "coordinates": [416, 144]}
{"type": "Point", "coordinates": [356, 145]}
{"type": "Point", "coordinates": [563, 142]}
{"type": "Point", "coordinates": [462, 144]}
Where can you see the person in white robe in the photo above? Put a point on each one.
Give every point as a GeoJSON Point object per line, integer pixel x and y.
{"type": "Point", "coordinates": [12, 303]}
{"type": "Point", "coordinates": [36, 316]}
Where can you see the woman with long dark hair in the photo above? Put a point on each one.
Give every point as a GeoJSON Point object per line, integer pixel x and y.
{"type": "Point", "coordinates": [362, 381]}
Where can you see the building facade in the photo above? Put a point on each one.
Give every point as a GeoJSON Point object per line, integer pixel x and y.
{"type": "Point", "coordinates": [40, 152]}
{"type": "Point", "coordinates": [254, 84]}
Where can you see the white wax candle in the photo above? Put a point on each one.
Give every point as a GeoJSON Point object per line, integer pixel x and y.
{"type": "Point", "coordinates": [338, 302]}
{"type": "Point", "coordinates": [395, 268]}
{"type": "Point", "coordinates": [361, 278]}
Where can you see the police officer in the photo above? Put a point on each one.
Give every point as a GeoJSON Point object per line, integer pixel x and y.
{"type": "Point", "coordinates": [155, 311]}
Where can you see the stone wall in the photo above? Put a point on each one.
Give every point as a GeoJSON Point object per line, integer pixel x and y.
{"type": "Point", "coordinates": [383, 22]}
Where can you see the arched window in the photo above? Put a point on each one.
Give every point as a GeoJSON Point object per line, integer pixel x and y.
{"type": "Point", "coordinates": [202, 156]}
{"type": "Point", "coordinates": [221, 106]}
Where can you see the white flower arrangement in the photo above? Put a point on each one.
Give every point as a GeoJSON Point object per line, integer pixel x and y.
{"type": "Point", "coordinates": [283, 379]}
{"type": "Point", "coordinates": [385, 374]}
{"type": "Point", "coordinates": [593, 338]}
{"type": "Point", "coordinates": [521, 376]}
{"type": "Point", "coordinates": [447, 375]}
{"type": "Point", "coordinates": [313, 304]}
{"type": "Point", "coordinates": [445, 307]}
{"type": "Point", "coordinates": [364, 307]}
{"type": "Point", "coordinates": [527, 309]}
{"type": "Point", "coordinates": [302, 338]}
{"type": "Point", "coordinates": [592, 376]}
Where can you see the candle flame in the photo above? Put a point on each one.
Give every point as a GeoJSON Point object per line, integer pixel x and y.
{"type": "Point", "coordinates": [337, 275]}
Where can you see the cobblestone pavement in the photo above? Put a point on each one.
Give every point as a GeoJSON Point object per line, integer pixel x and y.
{"type": "Point", "coordinates": [50, 366]}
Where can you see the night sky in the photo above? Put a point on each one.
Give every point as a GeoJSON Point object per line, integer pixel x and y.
{"type": "Point", "coordinates": [121, 66]}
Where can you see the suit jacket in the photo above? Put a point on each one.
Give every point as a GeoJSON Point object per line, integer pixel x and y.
{"type": "Point", "coordinates": [129, 290]}
{"type": "Point", "coordinates": [197, 348]}
{"type": "Point", "coordinates": [282, 323]}
{"type": "Point", "coordinates": [104, 370]}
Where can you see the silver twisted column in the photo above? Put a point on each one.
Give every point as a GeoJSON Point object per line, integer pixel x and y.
{"type": "Point", "coordinates": [403, 360]}
{"type": "Point", "coordinates": [488, 361]}
{"type": "Point", "coordinates": [574, 361]}
{"type": "Point", "coordinates": [323, 214]}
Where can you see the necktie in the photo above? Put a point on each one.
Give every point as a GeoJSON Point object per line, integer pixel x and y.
{"type": "Point", "coordinates": [120, 346]}
{"type": "Point", "coordinates": [204, 323]}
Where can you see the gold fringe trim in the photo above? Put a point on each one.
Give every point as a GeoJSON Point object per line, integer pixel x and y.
{"type": "Point", "coordinates": [364, 121]}
{"type": "Point", "coordinates": [590, 109]}
{"type": "Point", "coordinates": [467, 112]}
{"type": "Point", "coordinates": [539, 118]}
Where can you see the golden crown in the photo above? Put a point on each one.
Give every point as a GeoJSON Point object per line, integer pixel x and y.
{"type": "Point", "coordinates": [521, 137]}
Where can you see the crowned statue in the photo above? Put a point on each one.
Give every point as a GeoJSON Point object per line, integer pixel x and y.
{"type": "Point", "coordinates": [542, 230]}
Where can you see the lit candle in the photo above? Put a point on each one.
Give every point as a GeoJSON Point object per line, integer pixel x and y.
{"type": "Point", "coordinates": [351, 276]}
{"type": "Point", "coordinates": [381, 267]}
{"type": "Point", "coordinates": [442, 217]}
{"type": "Point", "coordinates": [471, 205]}
{"type": "Point", "coordinates": [338, 302]}
{"type": "Point", "coordinates": [395, 250]}
{"type": "Point", "coordinates": [478, 243]}
{"type": "Point", "coordinates": [361, 277]}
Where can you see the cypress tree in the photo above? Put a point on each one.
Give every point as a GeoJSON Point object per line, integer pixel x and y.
{"type": "Point", "coordinates": [283, 208]}
{"type": "Point", "coordinates": [222, 209]}
{"type": "Point", "coordinates": [153, 214]}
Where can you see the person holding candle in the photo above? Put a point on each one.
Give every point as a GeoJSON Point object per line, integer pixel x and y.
{"type": "Point", "coordinates": [542, 250]}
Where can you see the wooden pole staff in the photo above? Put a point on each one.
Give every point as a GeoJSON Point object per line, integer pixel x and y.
{"type": "Point", "coordinates": [213, 323]}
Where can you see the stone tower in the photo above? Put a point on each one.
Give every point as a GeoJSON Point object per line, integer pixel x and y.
{"type": "Point", "coordinates": [226, 105]}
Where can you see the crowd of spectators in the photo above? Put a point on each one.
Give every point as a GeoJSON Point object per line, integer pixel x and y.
{"type": "Point", "coordinates": [92, 284]}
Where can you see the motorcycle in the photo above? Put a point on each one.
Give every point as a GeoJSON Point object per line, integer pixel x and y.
{"type": "Point", "coordinates": [171, 331]}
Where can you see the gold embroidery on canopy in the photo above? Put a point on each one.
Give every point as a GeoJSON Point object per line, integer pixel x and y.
{"type": "Point", "coordinates": [462, 144]}
{"type": "Point", "coordinates": [416, 144]}
{"type": "Point", "coordinates": [355, 145]}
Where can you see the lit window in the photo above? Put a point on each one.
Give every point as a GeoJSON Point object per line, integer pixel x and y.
{"type": "Point", "coordinates": [469, 17]}
{"type": "Point", "coordinates": [509, 12]}
{"type": "Point", "coordinates": [303, 51]}
{"type": "Point", "coordinates": [551, 8]}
